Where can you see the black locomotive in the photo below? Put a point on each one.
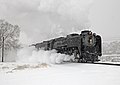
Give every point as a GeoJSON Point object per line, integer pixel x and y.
{"type": "Point", "coordinates": [86, 47]}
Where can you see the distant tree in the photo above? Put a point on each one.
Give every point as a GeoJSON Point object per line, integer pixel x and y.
{"type": "Point", "coordinates": [9, 34]}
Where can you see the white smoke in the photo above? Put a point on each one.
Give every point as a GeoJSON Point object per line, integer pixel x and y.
{"type": "Point", "coordinates": [31, 55]}
{"type": "Point", "coordinates": [24, 39]}
{"type": "Point", "coordinates": [47, 18]}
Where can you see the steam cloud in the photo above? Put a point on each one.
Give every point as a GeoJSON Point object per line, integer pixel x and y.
{"type": "Point", "coordinates": [30, 55]}
{"type": "Point", "coordinates": [47, 18]}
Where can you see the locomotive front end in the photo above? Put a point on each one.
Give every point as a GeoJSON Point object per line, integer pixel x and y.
{"type": "Point", "coordinates": [90, 46]}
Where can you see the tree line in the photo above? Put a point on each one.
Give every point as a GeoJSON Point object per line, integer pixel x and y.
{"type": "Point", "coordinates": [111, 47]}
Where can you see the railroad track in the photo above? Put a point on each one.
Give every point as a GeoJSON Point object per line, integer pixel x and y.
{"type": "Point", "coordinates": [106, 64]}
{"type": "Point", "coordinates": [100, 63]}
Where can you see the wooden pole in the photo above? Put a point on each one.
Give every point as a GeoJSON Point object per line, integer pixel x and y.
{"type": "Point", "coordinates": [3, 49]}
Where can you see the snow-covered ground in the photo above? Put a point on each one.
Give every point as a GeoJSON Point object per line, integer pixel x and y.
{"type": "Point", "coordinates": [59, 74]}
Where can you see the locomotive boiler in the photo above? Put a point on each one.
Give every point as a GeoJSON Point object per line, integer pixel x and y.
{"type": "Point", "coordinates": [86, 47]}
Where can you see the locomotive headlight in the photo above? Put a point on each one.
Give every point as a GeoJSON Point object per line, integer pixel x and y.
{"type": "Point", "coordinates": [90, 41]}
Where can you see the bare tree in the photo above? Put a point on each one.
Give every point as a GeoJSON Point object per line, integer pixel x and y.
{"type": "Point", "coordinates": [9, 35]}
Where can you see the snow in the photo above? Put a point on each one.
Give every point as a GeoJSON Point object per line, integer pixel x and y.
{"type": "Point", "coordinates": [59, 74]}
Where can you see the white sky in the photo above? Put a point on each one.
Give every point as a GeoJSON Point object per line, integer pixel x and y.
{"type": "Point", "coordinates": [39, 18]}
{"type": "Point", "coordinates": [105, 18]}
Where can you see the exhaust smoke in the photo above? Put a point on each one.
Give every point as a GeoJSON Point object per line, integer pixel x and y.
{"type": "Point", "coordinates": [31, 55]}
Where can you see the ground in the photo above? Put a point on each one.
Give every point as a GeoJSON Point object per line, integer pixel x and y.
{"type": "Point", "coordinates": [58, 74]}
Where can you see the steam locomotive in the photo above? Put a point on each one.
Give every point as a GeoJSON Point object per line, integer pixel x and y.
{"type": "Point", "coordinates": [86, 47]}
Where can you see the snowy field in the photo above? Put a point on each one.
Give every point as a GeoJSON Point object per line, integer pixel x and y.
{"type": "Point", "coordinates": [59, 74]}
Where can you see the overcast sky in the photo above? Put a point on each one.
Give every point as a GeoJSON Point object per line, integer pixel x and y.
{"type": "Point", "coordinates": [44, 19]}
{"type": "Point", "coordinates": [105, 18]}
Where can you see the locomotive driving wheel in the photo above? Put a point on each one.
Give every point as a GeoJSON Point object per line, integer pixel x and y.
{"type": "Point", "coordinates": [84, 60]}
{"type": "Point", "coordinates": [76, 55]}
{"type": "Point", "coordinates": [93, 59]}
